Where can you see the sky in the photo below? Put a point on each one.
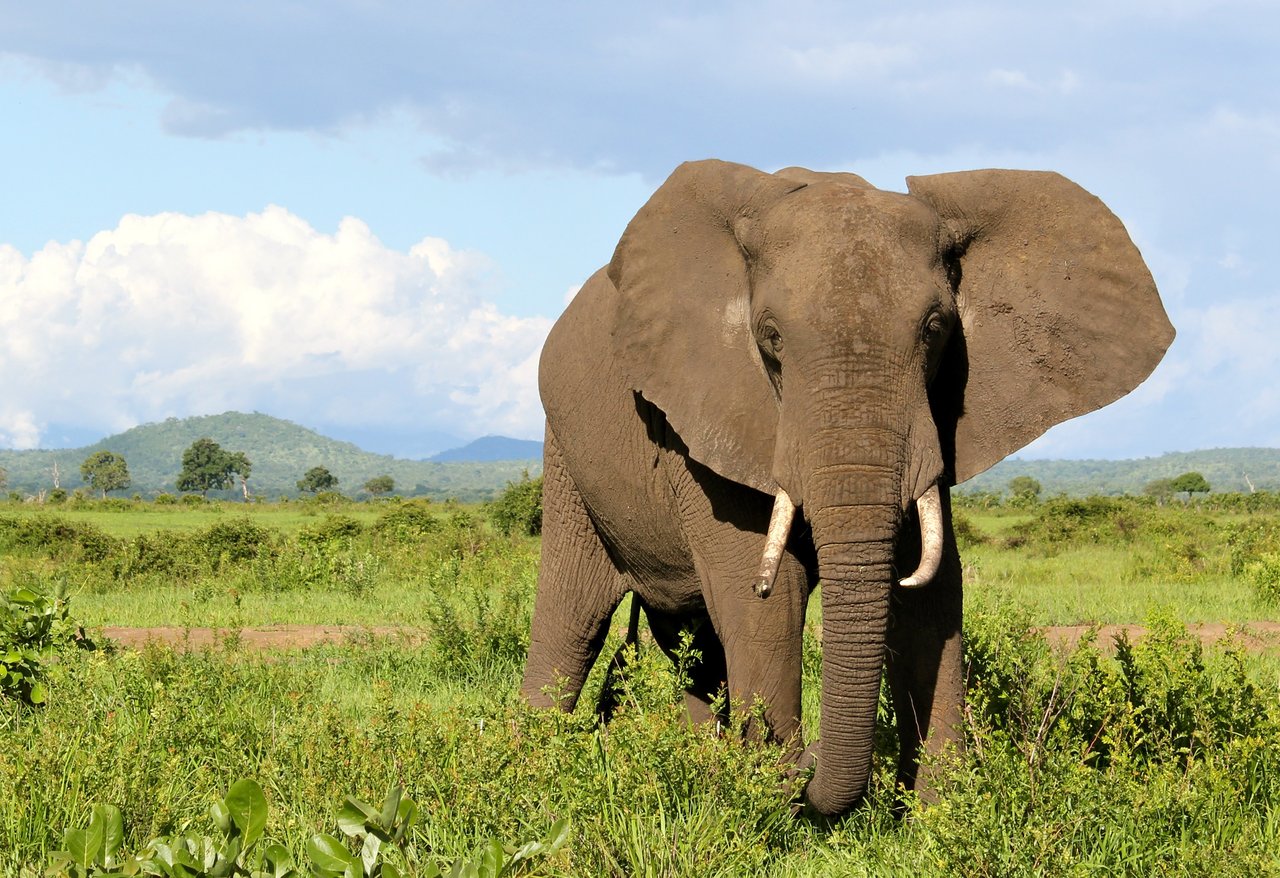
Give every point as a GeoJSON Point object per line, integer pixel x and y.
{"type": "Point", "coordinates": [365, 216]}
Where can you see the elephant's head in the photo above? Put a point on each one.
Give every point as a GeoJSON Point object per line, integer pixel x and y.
{"type": "Point", "coordinates": [851, 349]}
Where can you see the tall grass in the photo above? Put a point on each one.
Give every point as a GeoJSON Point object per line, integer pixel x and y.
{"type": "Point", "coordinates": [1157, 756]}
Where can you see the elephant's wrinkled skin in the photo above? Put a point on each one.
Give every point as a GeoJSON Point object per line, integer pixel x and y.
{"type": "Point", "coordinates": [806, 333]}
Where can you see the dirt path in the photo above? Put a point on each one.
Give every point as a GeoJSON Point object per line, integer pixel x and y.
{"type": "Point", "coordinates": [1263, 636]}
{"type": "Point", "coordinates": [267, 637]}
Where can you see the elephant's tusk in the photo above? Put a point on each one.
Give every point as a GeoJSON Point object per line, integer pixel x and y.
{"type": "Point", "coordinates": [929, 506]}
{"type": "Point", "coordinates": [779, 529]}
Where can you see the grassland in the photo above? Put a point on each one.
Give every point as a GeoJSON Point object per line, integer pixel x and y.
{"type": "Point", "coordinates": [1158, 758]}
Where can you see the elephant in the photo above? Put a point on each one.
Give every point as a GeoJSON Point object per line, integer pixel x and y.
{"type": "Point", "coordinates": [774, 383]}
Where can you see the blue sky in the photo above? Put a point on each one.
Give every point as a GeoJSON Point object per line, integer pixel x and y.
{"type": "Point", "coordinates": [365, 216]}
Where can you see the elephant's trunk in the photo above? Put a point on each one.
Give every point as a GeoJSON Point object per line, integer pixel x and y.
{"type": "Point", "coordinates": [855, 513]}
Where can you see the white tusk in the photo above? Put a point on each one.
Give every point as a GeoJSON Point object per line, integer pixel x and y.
{"type": "Point", "coordinates": [779, 528]}
{"type": "Point", "coordinates": [929, 507]}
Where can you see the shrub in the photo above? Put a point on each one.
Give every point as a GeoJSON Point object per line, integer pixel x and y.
{"type": "Point", "coordinates": [34, 626]}
{"type": "Point", "coordinates": [967, 534]}
{"type": "Point", "coordinates": [406, 522]}
{"type": "Point", "coordinates": [165, 499]}
{"type": "Point", "coordinates": [55, 537]}
{"type": "Point", "coordinates": [341, 529]}
{"type": "Point", "coordinates": [236, 540]}
{"type": "Point", "coordinates": [1264, 576]}
{"type": "Point", "coordinates": [519, 508]}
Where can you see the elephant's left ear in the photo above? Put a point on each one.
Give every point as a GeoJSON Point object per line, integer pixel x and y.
{"type": "Point", "coordinates": [1059, 314]}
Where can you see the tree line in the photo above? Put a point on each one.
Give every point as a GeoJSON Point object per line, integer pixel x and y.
{"type": "Point", "coordinates": [1025, 490]}
{"type": "Point", "coordinates": [207, 466]}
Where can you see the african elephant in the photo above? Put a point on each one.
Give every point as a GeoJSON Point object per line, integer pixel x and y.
{"type": "Point", "coordinates": [804, 356]}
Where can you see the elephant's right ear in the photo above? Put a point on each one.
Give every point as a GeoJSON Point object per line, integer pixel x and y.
{"type": "Point", "coordinates": [682, 335]}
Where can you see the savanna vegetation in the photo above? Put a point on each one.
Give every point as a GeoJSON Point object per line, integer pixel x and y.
{"type": "Point", "coordinates": [281, 453]}
{"type": "Point", "coordinates": [403, 749]}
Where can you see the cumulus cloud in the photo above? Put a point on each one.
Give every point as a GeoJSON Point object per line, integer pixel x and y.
{"type": "Point", "coordinates": [175, 315]}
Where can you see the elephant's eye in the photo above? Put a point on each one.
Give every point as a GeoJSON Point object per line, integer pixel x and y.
{"type": "Point", "coordinates": [934, 326]}
{"type": "Point", "coordinates": [771, 341]}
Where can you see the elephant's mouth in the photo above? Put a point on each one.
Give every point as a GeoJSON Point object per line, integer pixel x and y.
{"type": "Point", "coordinates": [928, 508]}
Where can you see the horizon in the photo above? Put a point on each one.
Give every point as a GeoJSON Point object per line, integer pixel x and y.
{"type": "Point", "coordinates": [374, 241]}
{"type": "Point", "coordinates": [1017, 456]}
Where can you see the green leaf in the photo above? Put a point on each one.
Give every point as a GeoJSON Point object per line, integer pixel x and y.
{"type": "Point", "coordinates": [221, 816]}
{"type": "Point", "coordinates": [248, 808]}
{"type": "Point", "coordinates": [277, 860]}
{"type": "Point", "coordinates": [353, 816]}
{"type": "Point", "coordinates": [406, 818]}
{"type": "Point", "coordinates": [38, 694]}
{"type": "Point", "coordinates": [391, 807]}
{"type": "Point", "coordinates": [330, 855]}
{"type": "Point", "coordinates": [557, 836]}
{"type": "Point", "coordinates": [77, 842]}
{"type": "Point", "coordinates": [492, 858]}
{"type": "Point", "coordinates": [369, 852]}
{"type": "Point", "coordinates": [112, 832]}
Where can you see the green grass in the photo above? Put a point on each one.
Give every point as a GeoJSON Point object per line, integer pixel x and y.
{"type": "Point", "coordinates": [130, 519]}
{"type": "Point", "coordinates": [1097, 585]}
{"type": "Point", "coordinates": [1159, 760]}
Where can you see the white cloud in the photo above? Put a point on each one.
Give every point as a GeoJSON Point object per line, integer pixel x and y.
{"type": "Point", "coordinates": [18, 429]}
{"type": "Point", "coordinates": [175, 315]}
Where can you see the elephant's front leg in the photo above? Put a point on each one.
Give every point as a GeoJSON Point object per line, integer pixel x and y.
{"type": "Point", "coordinates": [761, 637]}
{"type": "Point", "coordinates": [925, 664]}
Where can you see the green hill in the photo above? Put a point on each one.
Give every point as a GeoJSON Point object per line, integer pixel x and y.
{"type": "Point", "coordinates": [281, 451]}
{"type": "Point", "coordinates": [1226, 469]}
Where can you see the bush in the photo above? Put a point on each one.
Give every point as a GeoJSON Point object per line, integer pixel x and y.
{"type": "Point", "coordinates": [237, 540]}
{"type": "Point", "coordinates": [55, 537]}
{"type": "Point", "coordinates": [519, 509]}
{"type": "Point", "coordinates": [406, 522]}
{"type": "Point", "coordinates": [339, 529]}
{"type": "Point", "coordinates": [966, 533]}
{"type": "Point", "coordinates": [34, 627]}
{"type": "Point", "coordinates": [1264, 576]}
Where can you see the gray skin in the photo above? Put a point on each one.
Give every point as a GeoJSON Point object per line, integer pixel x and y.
{"type": "Point", "coordinates": [807, 332]}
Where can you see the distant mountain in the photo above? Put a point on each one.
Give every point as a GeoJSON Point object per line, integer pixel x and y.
{"type": "Point", "coordinates": [280, 451]}
{"type": "Point", "coordinates": [1226, 469]}
{"type": "Point", "coordinates": [493, 448]}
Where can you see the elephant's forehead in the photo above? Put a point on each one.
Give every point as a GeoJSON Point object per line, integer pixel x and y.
{"type": "Point", "coordinates": [831, 212]}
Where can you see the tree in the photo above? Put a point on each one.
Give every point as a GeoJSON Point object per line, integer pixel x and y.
{"type": "Point", "coordinates": [4, 477]}
{"type": "Point", "coordinates": [1161, 489]}
{"type": "Point", "coordinates": [105, 471]}
{"type": "Point", "coordinates": [317, 479]}
{"type": "Point", "coordinates": [241, 466]}
{"type": "Point", "coordinates": [379, 485]}
{"type": "Point", "coordinates": [1025, 490]}
{"type": "Point", "coordinates": [205, 467]}
{"type": "Point", "coordinates": [1191, 483]}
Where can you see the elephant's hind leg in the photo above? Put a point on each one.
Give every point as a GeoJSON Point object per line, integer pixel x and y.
{"type": "Point", "coordinates": [700, 658]}
{"type": "Point", "coordinates": [578, 589]}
